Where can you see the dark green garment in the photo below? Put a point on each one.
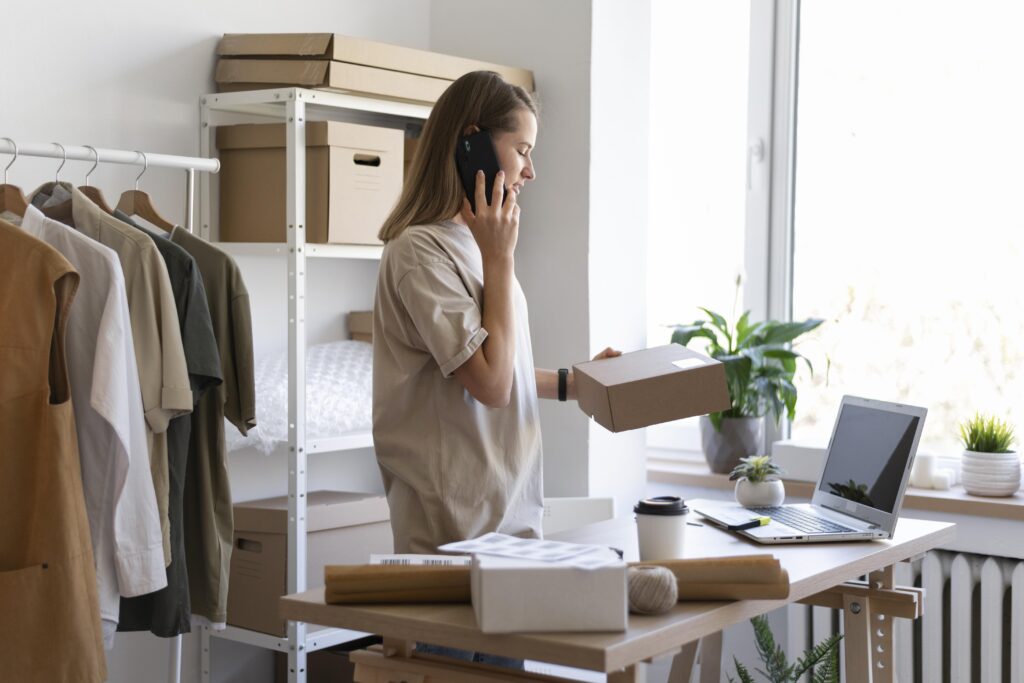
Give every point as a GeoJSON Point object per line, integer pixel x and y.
{"type": "Point", "coordinates": [167, 612]}
{"type": "Point", "coordinates": [209, 518]}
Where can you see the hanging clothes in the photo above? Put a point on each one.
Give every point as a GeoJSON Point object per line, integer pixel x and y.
{"type": "Point", "coordinates": [168, 612]}
{"type": "Point", "coordinates": [49, 624]}
{"type": "Point", "coordinates": [209, 522]}
{"type": "Point", "coordinates": [163, 372]}
{"type": "Point", "coordinates": [124, 523]}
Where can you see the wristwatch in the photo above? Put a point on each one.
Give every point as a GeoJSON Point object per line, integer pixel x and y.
{"type": "Point", "coordinates": [563, 383]}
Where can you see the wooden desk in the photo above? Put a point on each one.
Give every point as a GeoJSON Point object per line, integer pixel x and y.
{"type": "Point", "coordinates": [819, 573]}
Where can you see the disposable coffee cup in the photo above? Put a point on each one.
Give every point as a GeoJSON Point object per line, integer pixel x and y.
{"type": "Point", "coordinates": [661, 527]}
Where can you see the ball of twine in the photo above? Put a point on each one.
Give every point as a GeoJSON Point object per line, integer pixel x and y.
{"type": "Point", "coordinates": [652, 589]}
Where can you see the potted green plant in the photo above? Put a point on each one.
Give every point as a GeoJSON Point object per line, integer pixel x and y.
{"type": "Point", "coordinates": [989, 466]}
{"type": "Point", "coordinates": [759, 368]}
{"type": "Point", "coordinates": [757, 482]}
{"type": "Point", "coordinates": [821, 660]}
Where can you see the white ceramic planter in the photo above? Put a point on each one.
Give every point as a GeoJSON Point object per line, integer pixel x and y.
{"type": "Point", "coordinates": [990, 474]}
{"type": "Point", "coordinates": [761, 494]}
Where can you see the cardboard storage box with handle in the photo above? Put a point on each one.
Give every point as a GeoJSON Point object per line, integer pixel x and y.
{"type": "Point", "coordinates": [342, 528]}
{"type": "Point", "coordinates": [353, 179]}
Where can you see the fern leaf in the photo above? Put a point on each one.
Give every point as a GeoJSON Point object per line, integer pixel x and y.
{"type": "Point", "coordinates": [816, 654]}
{"type": "Point", "coordinates": [827, 671]}
{"type": "Point", "coordinates": [742, 672]}
{"type": "Point", "coordinates": [773, 656]}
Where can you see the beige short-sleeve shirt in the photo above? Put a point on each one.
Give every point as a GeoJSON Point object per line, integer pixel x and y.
{"type": "Point", "coordinates": [452, 467]}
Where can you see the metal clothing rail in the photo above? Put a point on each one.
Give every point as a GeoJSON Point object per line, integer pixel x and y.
{"type": "Point", "coordinates": [52, 150]}
{"type": "Point", "coordinates": [55, 150]}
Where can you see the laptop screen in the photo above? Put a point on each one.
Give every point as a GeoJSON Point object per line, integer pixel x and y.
{"type": "Point", "coordinates": [868, 455]}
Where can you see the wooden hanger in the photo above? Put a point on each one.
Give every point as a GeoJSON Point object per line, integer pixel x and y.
{"type": "Point", "coordinates": [11, 197]}
{"type": "Point", "coordinates": [138, 203]}
{"type": "Point", "coordinates": [94, 193]}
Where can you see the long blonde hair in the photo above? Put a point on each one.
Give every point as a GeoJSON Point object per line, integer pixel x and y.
{"type": "Point", "coordinates": [432, 190]}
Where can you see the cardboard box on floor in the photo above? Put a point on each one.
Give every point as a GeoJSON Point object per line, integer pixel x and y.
{"type": "Point", "coordinates": [342, 528]}
{"type": "Point", "coordinates": [528, 596]}
{"type": "Point", "coordinates": [650, 386]}
{"type": "Point", "coordinates": [345, 49]}
{"type": "Point", "coordinates": [353, 179]}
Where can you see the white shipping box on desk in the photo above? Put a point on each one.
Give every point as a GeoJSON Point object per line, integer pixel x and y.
{"type": "Point", "coordinates": [523, 596]}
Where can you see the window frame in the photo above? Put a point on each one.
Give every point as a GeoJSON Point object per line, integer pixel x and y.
{"type": "Point", "coordinates": [771, 153]}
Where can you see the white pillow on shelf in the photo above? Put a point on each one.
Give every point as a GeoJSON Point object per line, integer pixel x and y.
{"type": "Point", "coordinates": [339, 391]}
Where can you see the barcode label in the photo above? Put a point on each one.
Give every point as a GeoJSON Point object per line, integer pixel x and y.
{"type": "Point", "coordinates": [422, 560]}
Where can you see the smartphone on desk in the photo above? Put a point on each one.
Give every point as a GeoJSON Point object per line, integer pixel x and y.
{"type": "Point", "coordinates": [475, 152]}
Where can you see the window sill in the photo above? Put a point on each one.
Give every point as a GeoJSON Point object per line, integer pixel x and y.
{"type": "Point", "coordinates": [685, 469]}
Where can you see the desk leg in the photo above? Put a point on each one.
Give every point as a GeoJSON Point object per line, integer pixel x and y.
{"type": "Point", "coordinates": [868, 633]}
{"type": "Point", "coordinates": [857, 638]}
{"type": "Point", "coordinates": [682, 664]}
{"type": "Point", "coordinates": [882, 630]}
{"type": "Point", "coordinates": [711, 658]}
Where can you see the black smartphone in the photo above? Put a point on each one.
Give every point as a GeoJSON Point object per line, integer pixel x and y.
{"type": "Point", "coordinates": [474, 153]}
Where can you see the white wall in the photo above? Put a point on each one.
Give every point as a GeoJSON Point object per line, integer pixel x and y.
{"type": "Point", "coordinates": [553, 39]}
{"type": "Point", "coordinates": [617, 291]}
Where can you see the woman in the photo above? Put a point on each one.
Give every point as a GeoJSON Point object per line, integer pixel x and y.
{"type": "Point", "coordinates": [455, 414]}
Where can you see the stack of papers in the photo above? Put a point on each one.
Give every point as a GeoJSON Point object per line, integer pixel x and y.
{"type": "Point", "coordinates": [577, 555]}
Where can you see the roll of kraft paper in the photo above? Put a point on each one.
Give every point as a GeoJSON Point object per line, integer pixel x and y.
{"type": "Point", "coordinates": [377, 583]}
{"type": "Point", "coordinates": [719, 578]}
{"type": "Point", "coordinates": [743, 577]}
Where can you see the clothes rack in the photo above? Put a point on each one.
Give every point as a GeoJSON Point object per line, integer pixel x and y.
{"type": "Point", "coordinates": [98, 155]}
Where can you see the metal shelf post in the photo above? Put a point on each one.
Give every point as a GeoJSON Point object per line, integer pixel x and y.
{"type": "Point", "coordinates": [295, 154]}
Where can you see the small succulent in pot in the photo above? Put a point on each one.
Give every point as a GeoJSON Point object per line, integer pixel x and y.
{"type": "Point", "coordinates": [757, 482]}
{"type": "Point", "coordinates": [986, 434]}
{"type": "Point", "coordinates": [756, 469]}
{"type": "Point", "coordinates": [989, 466]}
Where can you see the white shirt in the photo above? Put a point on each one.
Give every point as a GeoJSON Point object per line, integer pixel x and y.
{"type": "Point", "coordinates": [120, 499]}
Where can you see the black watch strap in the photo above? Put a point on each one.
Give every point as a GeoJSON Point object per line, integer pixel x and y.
{"type": "Point", "coordinates": [563, 383]}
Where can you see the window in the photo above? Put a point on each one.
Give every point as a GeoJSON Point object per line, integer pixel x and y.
{"type": "Point", "coordinates": [908, 230]}
{"type": "Point", "coordinates": [699, 55]}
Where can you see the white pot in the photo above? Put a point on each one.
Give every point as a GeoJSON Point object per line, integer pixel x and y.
{"type": "Point", "coordinates": [990, 474]}
{"type": "Point", "coordinates": [761, 494]}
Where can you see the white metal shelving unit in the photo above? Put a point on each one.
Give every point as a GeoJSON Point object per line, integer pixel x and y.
{"type": "Point", "coordinates": [295, 106]}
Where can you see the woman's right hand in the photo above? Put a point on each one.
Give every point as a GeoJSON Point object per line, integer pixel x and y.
{"type": "Point", "coordinates": [495, 227]}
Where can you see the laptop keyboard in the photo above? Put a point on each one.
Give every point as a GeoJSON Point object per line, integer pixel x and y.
{"type": "Point", "coordinates": [801, 520]}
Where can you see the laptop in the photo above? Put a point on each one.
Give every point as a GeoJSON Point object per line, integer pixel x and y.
{"type": "Point", "coordinates": [861, 487]}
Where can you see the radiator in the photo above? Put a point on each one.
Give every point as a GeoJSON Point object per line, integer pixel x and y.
{"type": "Point", "coordinates": [972, 630]}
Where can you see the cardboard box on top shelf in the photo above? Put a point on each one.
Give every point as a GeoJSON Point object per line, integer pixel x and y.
{"type": "Point", "coordinates": [360, 326]}
{"type": "Point", "coordinates": [342, 528]}
{"type": "Point", "coordinates": [523, 596]}
{"type": "Point", "coordinates": [650, 386]}
{"type": "Point", "coordinates": [353, 178]}
{"type": "Point", "coordinates": [259, 74]}
{"type": "Point", "coordinates": [357, 51]}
